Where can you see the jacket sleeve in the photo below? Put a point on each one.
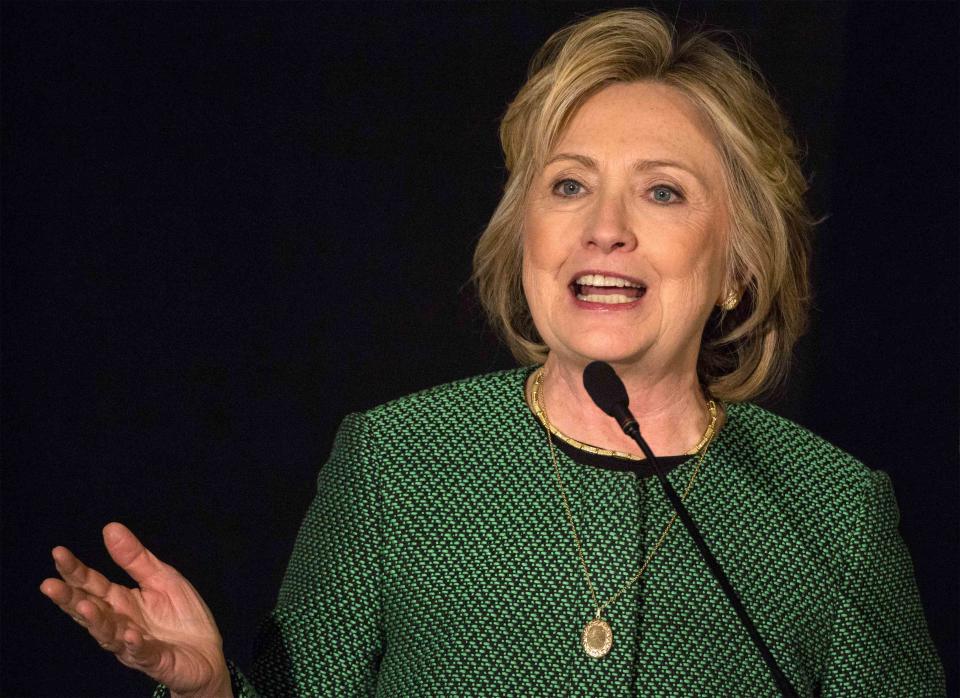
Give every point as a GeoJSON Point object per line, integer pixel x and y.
{"type": "Point", "coordinates": [324, 637]}
{"type": "Point", "coordinates": [880, 644]}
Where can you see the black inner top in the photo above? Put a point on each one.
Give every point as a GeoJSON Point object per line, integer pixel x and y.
{"type": "Point", "coordinates": [641, 467]}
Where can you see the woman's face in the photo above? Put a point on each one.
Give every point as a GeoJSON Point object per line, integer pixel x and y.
{"type": "Point", "coordinates": [625, 230]}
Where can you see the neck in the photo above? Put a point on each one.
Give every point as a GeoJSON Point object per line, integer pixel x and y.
{"type": "Point", "coordinates": [670, 408]}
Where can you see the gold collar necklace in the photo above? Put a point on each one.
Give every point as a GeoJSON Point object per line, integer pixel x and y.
{"type": "Point", "coordinates": [597, 636]}
{"type": "Point", "coordinates": [542, 416]}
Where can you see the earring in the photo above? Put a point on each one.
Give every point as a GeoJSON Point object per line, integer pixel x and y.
{"type": "Point", "coordinates": [730, 301]}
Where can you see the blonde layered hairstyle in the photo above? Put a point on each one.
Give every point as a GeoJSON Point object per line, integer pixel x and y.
{"type": "Point", "coordinates": [746, 351]}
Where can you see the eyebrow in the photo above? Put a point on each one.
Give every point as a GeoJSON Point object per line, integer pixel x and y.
{"type": "Point", "coordinates": [641, 165]}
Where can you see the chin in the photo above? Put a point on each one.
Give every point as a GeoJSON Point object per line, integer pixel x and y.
{"type": "Point", "coordinates": [603, 349]}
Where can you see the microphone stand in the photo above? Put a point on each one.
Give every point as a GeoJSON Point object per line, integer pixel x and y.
{"type": "Point", "coordinates": [632, 429]}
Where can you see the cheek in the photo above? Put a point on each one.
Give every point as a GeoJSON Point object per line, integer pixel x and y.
{"type": "Point", "coordinates": [542, 255]}
{"type": "Point", "coordinates": [541, 267]}
{"type": "Point", "coordinates": [693, 248]}
{"type": "Point", "coordinates": [534, 241]}
{"type": "Point", "coordinates": [534, 277]}
{"type": "Point", "coordinates": [693, 267]}
{"type": "Point", "coordinates": [530, 262]}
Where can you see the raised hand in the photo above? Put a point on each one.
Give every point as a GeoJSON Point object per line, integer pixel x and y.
{"type": "Point", "coordinates": [162, 628]}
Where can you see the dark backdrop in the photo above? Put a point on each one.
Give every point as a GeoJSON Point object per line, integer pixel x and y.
{"type": "Point", "coordinates": [225, 226]}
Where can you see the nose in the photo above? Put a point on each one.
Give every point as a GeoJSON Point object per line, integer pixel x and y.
{"type": "Point", "coordinates": [609, 226]}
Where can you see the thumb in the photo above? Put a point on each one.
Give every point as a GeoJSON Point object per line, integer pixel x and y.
{"type": "Point", "coordinates": [128, 552]}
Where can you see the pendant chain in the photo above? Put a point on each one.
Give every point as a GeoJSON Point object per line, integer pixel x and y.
{"type": "Point", "coordinates": [538, 403]}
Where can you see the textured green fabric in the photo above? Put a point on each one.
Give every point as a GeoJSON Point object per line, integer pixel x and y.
{"type": "Point", "coordinates": [436, 560]}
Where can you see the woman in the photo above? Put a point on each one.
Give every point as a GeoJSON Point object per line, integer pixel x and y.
{"type": "Point", "coordinates": [500, 535]}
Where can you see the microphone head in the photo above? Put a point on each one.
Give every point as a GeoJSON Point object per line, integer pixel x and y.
{"type": "Point", "coordinates": [605, 387]}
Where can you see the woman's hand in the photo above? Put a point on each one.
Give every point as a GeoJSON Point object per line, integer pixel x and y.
{"type": "Point", "coordinates": [163, 628]}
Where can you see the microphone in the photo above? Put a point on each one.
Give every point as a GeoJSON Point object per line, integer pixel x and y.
{"type": "Point", "coordinates": [608, 392]}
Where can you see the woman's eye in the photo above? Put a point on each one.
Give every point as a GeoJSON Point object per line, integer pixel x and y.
{"type": "Point", "coordinates": [665, 195]}
{"type": "Point", "coordinates": [568, 188]}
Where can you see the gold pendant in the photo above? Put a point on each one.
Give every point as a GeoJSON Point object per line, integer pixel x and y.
{"type": "Point", "coordinates": [597, 638]}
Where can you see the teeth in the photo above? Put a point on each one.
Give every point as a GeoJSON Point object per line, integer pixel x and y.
{"type": "Point", "coordinates": [605, 298]}
{"type": "Point", "coordinates": [600, 280]}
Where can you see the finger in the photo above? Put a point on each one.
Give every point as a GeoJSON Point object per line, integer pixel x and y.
{"type": "Point", "coordinates": [90, 612]}
{"type": "Point", "coordinates": [62, 594]}
{"type": "Point", "coordinates": [137, 653]}
{"type": "Point", "coordinates": [77, 574]}
{"type": "Point", "coordinates": [67, 597]}
{"type": "Point", "coordinates": [76, 603]}
{"type": "Point", "coordinates": [102, 626]}
{"type": "Point", "coordinates": [128, 552]}
{"type": "Point", "coordinates": [116, 635]}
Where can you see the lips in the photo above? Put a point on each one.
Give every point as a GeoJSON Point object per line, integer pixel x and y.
{"type": "Point", "coordinates": [607, 289]}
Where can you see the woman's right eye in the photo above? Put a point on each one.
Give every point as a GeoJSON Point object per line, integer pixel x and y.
{"type": "Point", "coordinates": [568, 188]}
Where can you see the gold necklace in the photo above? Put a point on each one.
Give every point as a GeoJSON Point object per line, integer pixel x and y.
{"type": "Point", "coordinates": [589, 448]}
{"type": "Point", "coordinates": [597, 636]}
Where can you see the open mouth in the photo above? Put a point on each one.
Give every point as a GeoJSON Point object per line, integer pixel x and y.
{"type": "Point", "coordinates": [608, 290]}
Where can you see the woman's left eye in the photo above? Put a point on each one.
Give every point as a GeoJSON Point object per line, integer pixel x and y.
{"type": "Point", "coordinates": [665, 195]}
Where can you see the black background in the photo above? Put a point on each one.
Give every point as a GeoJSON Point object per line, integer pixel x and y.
{"type": "Point", "coordinates": [225, 226]}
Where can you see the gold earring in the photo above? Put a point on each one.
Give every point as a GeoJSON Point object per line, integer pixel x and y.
{"type": "Point", "coordinates": [731, 300]}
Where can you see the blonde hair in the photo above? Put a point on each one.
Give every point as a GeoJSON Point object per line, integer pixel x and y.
{"type": "Point", "coordinates": [743, 352]}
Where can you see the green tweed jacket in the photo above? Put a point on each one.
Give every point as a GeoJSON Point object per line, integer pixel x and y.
{"type": "Point", "coordinates": [437, 560]}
